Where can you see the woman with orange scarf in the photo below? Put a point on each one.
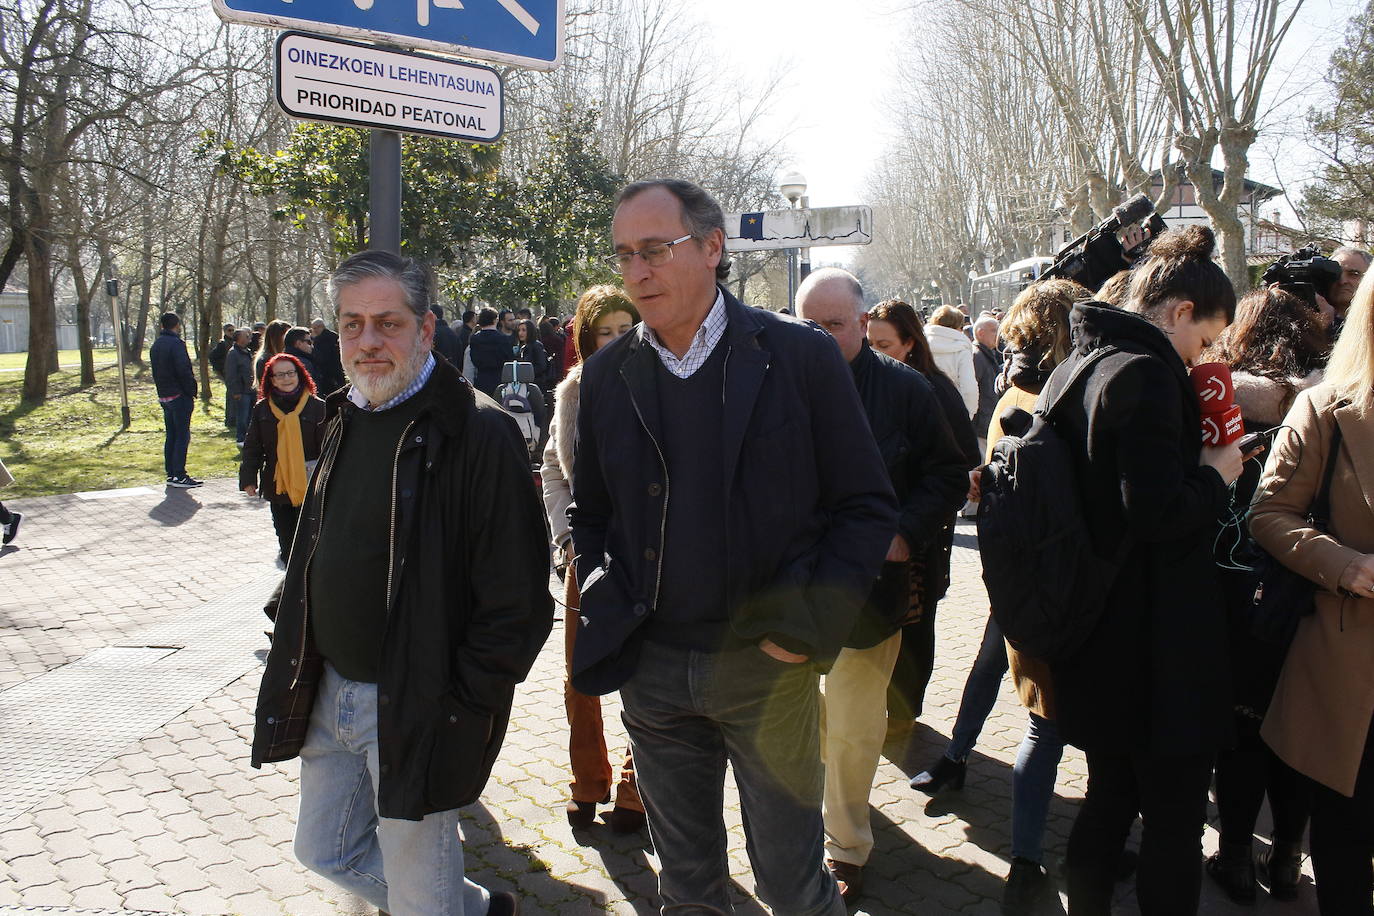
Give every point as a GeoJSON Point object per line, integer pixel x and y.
{"type": "Point", "coordinates": [284, 437]}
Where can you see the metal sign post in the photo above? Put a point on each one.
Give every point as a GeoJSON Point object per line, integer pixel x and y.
{"type": "Point", "coordinates": [112, 290]}
{"type": "Point", "coordinates": [384, 192]}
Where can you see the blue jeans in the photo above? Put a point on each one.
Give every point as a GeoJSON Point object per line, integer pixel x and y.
{"type": "Point", "coordinates": [339, 834]}
{"type": "Point", "coordinates": [176, 416]}
{"type": "Point", "coordinates": [980, 692]}
{"type": "Point", "coordinates": [1032, 787]}
{"type": "Point", "coordinates": [687, 714]}
{"type": "Point", "coordinates": [244, 412]}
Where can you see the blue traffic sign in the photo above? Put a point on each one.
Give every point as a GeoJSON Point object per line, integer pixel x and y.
{"type": "Point", "coordinates": [527, 33]}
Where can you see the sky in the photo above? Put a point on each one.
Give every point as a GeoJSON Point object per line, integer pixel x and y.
{"type": "Point", "coordinates": [840, 55]}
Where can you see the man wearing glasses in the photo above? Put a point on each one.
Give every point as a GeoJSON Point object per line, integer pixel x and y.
{"type": "Point", "coordinates": [730, 513]}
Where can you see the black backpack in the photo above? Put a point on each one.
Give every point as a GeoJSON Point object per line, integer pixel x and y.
{"type": "Point", "coordinates": [1046, 584]}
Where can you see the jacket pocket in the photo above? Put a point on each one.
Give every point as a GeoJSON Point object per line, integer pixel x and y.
{"type": "Point", "coordinates": [459, 759]}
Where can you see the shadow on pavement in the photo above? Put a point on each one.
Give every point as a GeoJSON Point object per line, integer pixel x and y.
{"type": "Point", "coordinates": [177, 508]}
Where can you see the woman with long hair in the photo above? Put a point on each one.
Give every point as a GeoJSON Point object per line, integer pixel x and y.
{"type": "Point", "coordinates": [285, 433]}
{"type": "Point", "coordinates": [273, 342]}
{"type": "Point", "coordinates": [603, 314]}
{"type": "Point", "coordinates": [529, 349]}
{"type": "Point", "coordinates": [1036, 330]}
{"type": "Point", "coordinates": [1275, 349]}
{"type": "Point", "coordinates": [1146, 697]}
{"type": "Point", "coordinates": [1319, 720]}
{"type": "Point", "coordinates": [895, 329]}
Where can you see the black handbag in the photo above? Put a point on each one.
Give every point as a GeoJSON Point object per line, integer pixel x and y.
{"type": "Point", "coordinates": [1281, 596]}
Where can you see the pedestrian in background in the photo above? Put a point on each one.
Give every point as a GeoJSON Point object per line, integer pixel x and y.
{"type": "Point", "coordinates": [273, 342]}
{"type": "Point", "coordinates": [603, 314]}
{"type": "Point", "coordinates": [927, 473]}
{"type": "Point", "coordinates": [301, 345]}
{"type": "Point", "coordinates": [528, 349]}
{"type": "Point", "coordinates": [894, 329]}
{"type": "Point", "coordinates": [1147, 696]}
{"type": "Point", "coordinates": [240, 386]}
{"type": "Point", "coordinates": [176, 392]}
{"type": "Point", "coordinates": [329, 375]}
{"type": "Point", "coordinates": [218, 354]}
{"type": "Point", "coordinates": [1319, 721]}
{"type": "Point", "coordinates": [283, 443]}
{"type": "Point", "coordinates": [9, 518]}
{"type": "Point", "coordinates": [953, 353]}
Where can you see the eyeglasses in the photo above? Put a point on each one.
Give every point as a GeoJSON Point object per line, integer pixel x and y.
{"type": "Point", "coordinates": [653, 255]}
{"type": "Point", "coordinates": [288, 374]}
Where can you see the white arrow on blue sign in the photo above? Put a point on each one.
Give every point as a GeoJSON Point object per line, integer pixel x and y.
{"type": "Point", "coordinates": [527, 33]}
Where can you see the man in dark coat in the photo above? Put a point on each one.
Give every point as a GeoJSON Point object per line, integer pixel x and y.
{"type": "Point", "coordinates": [301, 345]}
{"type": "Point", "coordinates": [326, 358]}
{"type": "Point", "coordinates": [176, 392]}
{"type": "Point", "coordinates": [421, 565]}
{"type": "Point", "coordinates": [928, 474]}
{"type": "Point", "coordinates": [446, 342]}
{"type": "Point", "coordinates": [987, 368]}
{"type": "Point", "coordinates": [239, 385]}
{"type": "Point", "coordinates": [490, 350]}
{"type": "Point", "coordinates": [218, 353]}
{"type": "Point", "coordinates": [730, 513]}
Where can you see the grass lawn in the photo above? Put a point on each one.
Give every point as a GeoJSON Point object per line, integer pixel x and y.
{"type": "Point", "coordinates": [66, 359]}
{"type": "Point", "coordinates": [73, 442]}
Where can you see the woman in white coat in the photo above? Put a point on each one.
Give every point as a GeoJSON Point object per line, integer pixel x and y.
{"type": "Point", "coordinates": [953, 353]}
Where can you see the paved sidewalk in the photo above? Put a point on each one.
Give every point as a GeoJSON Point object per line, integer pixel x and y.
{"type": "Point", "coordinates": [130, 652]}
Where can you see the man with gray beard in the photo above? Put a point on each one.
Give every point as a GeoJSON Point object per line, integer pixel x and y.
{"type": "Point", "coordinates": [415, 599]}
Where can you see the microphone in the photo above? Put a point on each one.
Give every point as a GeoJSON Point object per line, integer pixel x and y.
{"type": "Point", "coordinates": [1216, 394]}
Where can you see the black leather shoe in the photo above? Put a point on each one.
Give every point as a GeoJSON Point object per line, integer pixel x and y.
{"type": "Point", "coordinates": [581, 815]}
{"type": "Point", "coordinates": [945, 773]}
{"type": "Point", "coordinates": [626, 820]}
{"type": "Point", "coordinates": [1232, 867]}
{"type": "Point", "coordinates": [1279, 868]}
{"type": "Point", "coordinates": [1026, 882]}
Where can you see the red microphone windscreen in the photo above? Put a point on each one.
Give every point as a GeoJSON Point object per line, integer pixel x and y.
{"type": "Point", "coordinates": [1221, 419]}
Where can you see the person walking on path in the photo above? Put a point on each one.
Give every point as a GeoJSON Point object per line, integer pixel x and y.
{"type": "Point", "coordinates": [730, 512]}
{"type": "Point", "coordinates": [239, 383]}
{"type": "Point", "coordinates": [604, 313]}
{"type": "Point", "coordinates": [218, 353]}
{"type": "Point", "coordinates": [953, 353]}
{"type": "Point", "coordinates": [1319, 721]}
{"type": "Point", "coordinates": [9, 518]}
{"type": "Point", "coordinates": [415, 599]}
{"type": "Point", "coordinates": [176, 392]}
{"type": "Point", "coordinates": [283, 444]}
{"type": "Point", "coordinates": [927, 472]}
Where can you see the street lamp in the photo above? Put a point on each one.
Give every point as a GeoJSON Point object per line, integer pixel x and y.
{"type": "Point", "coordinates": [792, 185]}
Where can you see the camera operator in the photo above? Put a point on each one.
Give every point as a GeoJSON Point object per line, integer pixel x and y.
{"type": "Point", "coordinates": [1354, 262]}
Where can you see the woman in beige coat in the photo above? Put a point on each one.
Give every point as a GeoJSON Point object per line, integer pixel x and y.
{"type": "Point", "coordinates": [603, 314]}
{"type": "Point", "coordinates": [1319, 720]}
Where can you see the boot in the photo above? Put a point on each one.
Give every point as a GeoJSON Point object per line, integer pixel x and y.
{"type": "Point", "coordinates": [1233, 868]}
{"type": "Point", "coordinates": [1280, 869]}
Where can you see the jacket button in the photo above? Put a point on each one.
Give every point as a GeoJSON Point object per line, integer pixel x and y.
{"type": "Point", "coordinates": [293, 663]}
{"type": "Point", "coordinates": [386, 768]}
{"type": "Point", "coordinates": [586, 622]}
{"type": "Point", "coordinates": [640, 610]}
{"type": "Point", "coordinates": [650, 554]}
{"type": "Point", "coordinates": [383, 700]}
{"type": "Point", "coordinates": [271, 720]}
{"type": "Point", "coordinates": [405, 494]}
{"type": "Point", "coordinates": [453, 720]}
{"type": "Point", "coordinates": [655, 489]}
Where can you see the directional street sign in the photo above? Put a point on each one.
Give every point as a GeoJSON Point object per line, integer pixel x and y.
{"type": "Point", "coordinates": [344, 82]}
{"type": "Point", "coordinates": [527, 33]}
{"type": "Point", "coordinates": [812, 228]}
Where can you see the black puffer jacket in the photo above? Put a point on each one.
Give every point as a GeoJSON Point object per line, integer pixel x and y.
{"type": "Point", "coordinates": [1153, 677]}
{"type": "Point", "coordinates": [469, 613]}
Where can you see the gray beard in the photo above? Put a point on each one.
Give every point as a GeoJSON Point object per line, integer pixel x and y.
{"type": "Point", "coordinates": [380, 389]}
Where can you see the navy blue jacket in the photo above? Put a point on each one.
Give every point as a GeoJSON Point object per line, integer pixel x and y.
{"type": "Point", "coordinates": [809, 509]}
{"type": "Point", "coordinates": [490, 351]}
{"type": "Point", "coordinates": [172, 372]}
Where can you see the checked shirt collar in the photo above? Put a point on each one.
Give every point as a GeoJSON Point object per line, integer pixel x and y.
{"type": "Point", "coordinates": [705, 340]}
{"type": "Point", "coordinates": [412, 389]}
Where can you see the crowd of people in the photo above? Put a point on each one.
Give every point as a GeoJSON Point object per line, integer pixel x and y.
{"type": "Point", "coordinates": [754, 516]}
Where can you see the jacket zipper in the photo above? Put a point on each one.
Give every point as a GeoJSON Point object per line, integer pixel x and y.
{"type": "Point", "coordinates": [314, 543]}
{"type": "Point", "coordinates": [391, 544]}
{"type": "Point", "coordinates": [663, 519]}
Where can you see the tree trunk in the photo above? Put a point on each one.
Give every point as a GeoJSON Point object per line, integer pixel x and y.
{"type": "Point", "coordinates": [42, 314]}
{"type": "Point", "coordinates": [135, 354]}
